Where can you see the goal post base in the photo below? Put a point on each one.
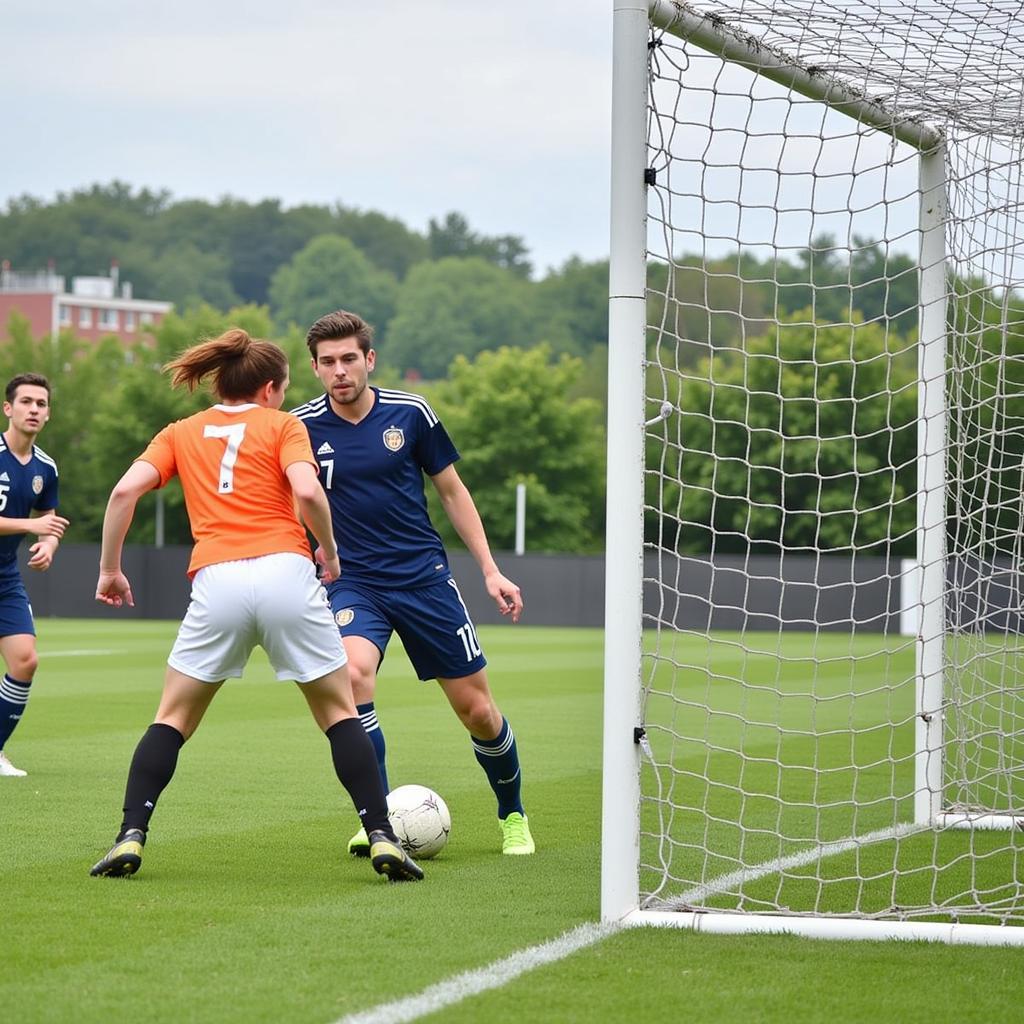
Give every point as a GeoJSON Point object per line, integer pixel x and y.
{"type": "Point", "coordinates": [713, 923]}
{"type": "Point", "coordinates": [996, 822]}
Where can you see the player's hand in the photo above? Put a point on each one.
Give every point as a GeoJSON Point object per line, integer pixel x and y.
{"type": "Point", "coordinates": [42, 554]}
{"type": "Point", "coordinates": [330, 568]}
{"type": "Point", "coordinates": [50, 525]}
{"type": "Point", "coordinates": [114, 589]}
{"type": "Point", "coordinates": [507, 596]}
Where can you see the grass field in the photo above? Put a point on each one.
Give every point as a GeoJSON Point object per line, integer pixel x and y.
{"type": "Point", "coordinates": [246, 908]}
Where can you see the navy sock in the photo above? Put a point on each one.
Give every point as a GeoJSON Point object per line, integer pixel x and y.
{"type": "Point", "coordinates": [356, 768]}
{"type": "Point", "coordinates": [152, 768]}
{"type": "Point", "coordinates": [368, 716]}
{"type": "Point", "coordinates": [499, 759]}
{"type": "Point", "coordinates": [13, 698]}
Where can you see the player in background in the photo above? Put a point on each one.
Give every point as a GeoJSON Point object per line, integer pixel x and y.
{"type": "Point", "coordinates": [28, 484]}
{"type": "Point", "coordinates": [373, 446]}
{"type": "Point", "coordinates": [240, 463]}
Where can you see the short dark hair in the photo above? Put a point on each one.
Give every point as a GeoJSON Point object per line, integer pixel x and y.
{"type": "Point", "coordinates": [337, 325]}
{"type": "Point", "coordinates": [35, 379]}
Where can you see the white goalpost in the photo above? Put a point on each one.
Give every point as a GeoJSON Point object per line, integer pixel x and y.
{"type": "Point", "coordinates": [814, 663]}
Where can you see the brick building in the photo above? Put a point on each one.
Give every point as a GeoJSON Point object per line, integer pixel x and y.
{"type": "Point", "coordinates": [94, 307]}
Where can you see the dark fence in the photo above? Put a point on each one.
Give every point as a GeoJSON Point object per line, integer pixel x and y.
{"type": "Point", "coordinates": [728, 592]}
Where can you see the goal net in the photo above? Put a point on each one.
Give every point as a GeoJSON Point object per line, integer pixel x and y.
{"type": "Point", "coordinates": [814, 669]}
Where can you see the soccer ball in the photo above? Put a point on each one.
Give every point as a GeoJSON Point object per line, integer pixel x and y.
{"type": "Point", "coordinates": [420, 819]}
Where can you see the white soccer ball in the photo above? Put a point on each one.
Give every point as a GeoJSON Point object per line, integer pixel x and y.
{"type": "Point", "coordinates": [420, 819]}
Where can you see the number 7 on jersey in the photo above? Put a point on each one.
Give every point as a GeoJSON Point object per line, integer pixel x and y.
{"type": "Point", "coordinates": [233, 433]}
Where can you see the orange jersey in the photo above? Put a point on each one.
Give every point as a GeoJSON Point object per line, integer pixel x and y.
{"type": "Point", "coordinates": [232, 462]}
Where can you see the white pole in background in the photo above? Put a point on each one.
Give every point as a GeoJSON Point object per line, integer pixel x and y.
{"type": "Point", "coordinates": [159, 520]}
{"type": "Point", "coordinates": [520, 518]}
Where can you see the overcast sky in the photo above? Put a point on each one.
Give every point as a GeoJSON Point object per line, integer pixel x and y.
{"type": "Point", "coordinates": [410, 107]}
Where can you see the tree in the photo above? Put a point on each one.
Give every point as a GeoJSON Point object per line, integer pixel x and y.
{"type": "Point", "coordinates": [807, 440]}
{"type": "Point", "coordinates": [457, 307]}
{"type": "Point", "coordinates": [510, 417]}
{"type": "Point", "coordinates": [572, 305]}
{"type": "Point", "coordinates": [453, 237]}
{"type": "Point", "coordinates": [328, 274]}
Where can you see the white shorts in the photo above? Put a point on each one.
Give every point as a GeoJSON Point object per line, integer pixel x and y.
{"type": "Point", "coordinates": [275, 601]}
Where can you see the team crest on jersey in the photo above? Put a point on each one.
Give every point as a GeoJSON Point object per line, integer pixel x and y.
{"type": "Point", "coordinates": [344, 617]}
{"type": "Point", "coordinates": [394, 438]}
{"type": "Point", "coordinates": [37, 485]}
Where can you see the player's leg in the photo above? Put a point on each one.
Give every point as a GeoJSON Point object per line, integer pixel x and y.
{"type": "Point", "coordinates": [296, 629]}
{"type": "Point", "coordinates": [182, 705]}
{"type": "Point", "coordinates": [364, 657]}
{"type": "Point", "coordinates": [333, 706]}
{"type": "Point", "coordinates": [494, 746]}
{"type": "Point", "coordinates": [18, 650]}
{"type": "Point", "coordinates": [213, 643]}
{"type": "Point", "coordinates": [365, 630]}
{"type": "Point", "coordinates": [19, 654]}
{"type": "Point", "coordinates": [442, 644]}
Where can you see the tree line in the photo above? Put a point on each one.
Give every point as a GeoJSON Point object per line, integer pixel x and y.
{"type": "Point", "coordinates": [794, 378]}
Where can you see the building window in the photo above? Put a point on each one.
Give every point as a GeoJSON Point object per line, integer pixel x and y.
{"type": "Point", "coordinates": [129, 320]}
{"type": "Point", "coordinates": [64, 315]}
{"type": "Point", "coordinates": [145, 318]}
{"type": "Point", "coordinates": [85, 317]}
{"type": "Point", "coordinates": [108, 319]}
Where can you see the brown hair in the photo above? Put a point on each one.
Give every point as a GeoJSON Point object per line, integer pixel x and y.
{"type": "Point", "coordinates": [337, 325]}
{"type": "Point", "coordinates": [35, 379]}
{"type": "Point", "coordinates": [238, 364]}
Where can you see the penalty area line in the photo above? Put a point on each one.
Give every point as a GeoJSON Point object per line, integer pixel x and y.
{"type": "Point", "coordinates": [482, 979]}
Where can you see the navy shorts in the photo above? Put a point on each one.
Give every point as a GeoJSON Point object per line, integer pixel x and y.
{"type": "Point", "coordinates": [15, 611]}
{"type": "Point", "coordinates": [432, 622]}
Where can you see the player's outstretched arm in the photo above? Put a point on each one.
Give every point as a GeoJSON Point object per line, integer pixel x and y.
{"type": "Point", "coordinates": [46, 524]}
{"type": "Point", "coordinates": [461, 510]}
{"type": "Point", "coordinates": [316, 514]}
{"type": "Point", "coordinates": [113, 587]}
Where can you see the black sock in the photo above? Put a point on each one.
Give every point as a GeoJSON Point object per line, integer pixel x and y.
{"type": "Point", "coordinates": [355, 764]}
{"type": "Point", "coordinates": [152, 768]}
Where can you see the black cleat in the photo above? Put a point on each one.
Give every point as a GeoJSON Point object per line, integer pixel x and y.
{"type": "Point", "coordinates": [388, 858]}
{"type": "Point", "coordinates": [124, 858]}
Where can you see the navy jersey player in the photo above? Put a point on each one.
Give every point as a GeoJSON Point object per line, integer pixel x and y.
{"type": "Point", "coordinates": [374, 447]}
{"type": "Point", "coordinates": [28, 503]}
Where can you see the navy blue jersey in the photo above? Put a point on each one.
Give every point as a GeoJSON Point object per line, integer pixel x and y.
{"type": "Point", "coordinates": [24, 488]}
{"type": "Point", "coordinates": [372, 472]}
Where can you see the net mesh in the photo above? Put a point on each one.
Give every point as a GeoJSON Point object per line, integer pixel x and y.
{"type": "Point", "coordinates": [783, 598]}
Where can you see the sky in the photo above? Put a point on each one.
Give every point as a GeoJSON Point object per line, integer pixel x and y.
{"type": "Point", "coordinates": [412, 107]}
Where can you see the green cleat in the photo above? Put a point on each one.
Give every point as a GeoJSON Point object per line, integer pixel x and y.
{"type": "Point", "coordinates": [125, 856]}
{"type": "Point", "coordinates": [359, 844]}
{"type": "Point", "coordinates": [516, 840]}
{"type": "Point", "coordinates": [390, 859]}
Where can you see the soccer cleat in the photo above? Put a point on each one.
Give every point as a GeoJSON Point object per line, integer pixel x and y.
{"type": "Point", "coordinates": [359, 844]}
{"type": "Point", "coordinates": [516, 840]}
{"type": "Point", "coordinates": [8, 769]}
{"type": "Point", "coordinates": [124, 857]}
{"type": "Point", "coordinates": [388, 858]}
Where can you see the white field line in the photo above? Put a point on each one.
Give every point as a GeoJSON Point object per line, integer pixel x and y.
{"type": "Point", "coordinates": [470, 983]}
{"type": "Point", "coordinates": [735, 879]}
{"type": "Point", "coordinates": [75, 654]}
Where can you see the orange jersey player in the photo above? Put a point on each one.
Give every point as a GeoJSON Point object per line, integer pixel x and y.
{"type": "Point", "coordinates": [243, 466]}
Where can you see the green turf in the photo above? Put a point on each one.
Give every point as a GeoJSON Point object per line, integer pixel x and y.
{"type": "Point", "coordinates": [767, 746]}
{"type": "Point", "coordinates": [246, 908]}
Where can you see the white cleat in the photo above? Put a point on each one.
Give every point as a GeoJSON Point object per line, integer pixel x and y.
{"type": "Point", "coordinates": [6, 768]}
